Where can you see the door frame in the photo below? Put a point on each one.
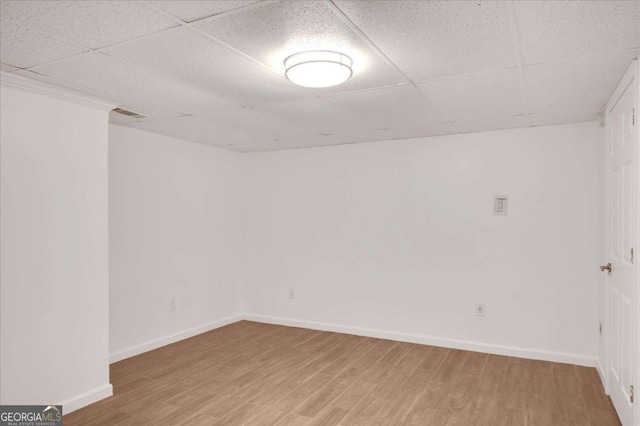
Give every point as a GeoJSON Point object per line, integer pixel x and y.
{"type": "Point", "coordinates": [631, 76]}
{"type": "Point", "coordinates": [636, 65]}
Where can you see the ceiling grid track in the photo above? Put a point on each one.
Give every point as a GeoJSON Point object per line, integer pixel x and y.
{"type": "Point", "coordinates": [189, 26]}
{"type": "Point", "coordinates": [353, 27]}
{"type": "Point", "coordinates": [326, 98]}
{"type": "Point", "coordinates": [209, 37]}
{"type": "Point", "coordinates": [515, 36]}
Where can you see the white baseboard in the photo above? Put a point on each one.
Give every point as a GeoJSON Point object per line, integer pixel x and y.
{"type": "Point", "coordinates": [433, 341]}
{"type": "Point", "coordinates": [602, 375]}
{"type": "Point", "coordinates": [380, 334]}
{"type": "Point", "coordinates": [94, 395]}
{"type": "Point", "coordinates": [172, 338]}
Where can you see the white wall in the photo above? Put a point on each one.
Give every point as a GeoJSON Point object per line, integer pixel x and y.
{"type": "Point", "coordinates": [54, 243]}
{"type": "Point", "coordinates": [400, 236]}
{"type": "Point", "coordinates": [175, 232]}
{"type": "Point", "coordinates": [394, 236]}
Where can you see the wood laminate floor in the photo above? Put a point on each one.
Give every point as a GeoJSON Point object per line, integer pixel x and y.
{"type": "Point", "coordinates": [258, 374]}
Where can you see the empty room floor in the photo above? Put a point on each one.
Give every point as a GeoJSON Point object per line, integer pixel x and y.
{"type": "Point", "coordinates": [259, 374]}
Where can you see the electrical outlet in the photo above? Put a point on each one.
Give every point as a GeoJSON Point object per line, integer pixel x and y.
{"type": "Point", "coordinates": [173, 305]}
{"type": "Point", "coordinates": [292, 294]}
{"type": "Point", "coordinates": [479, 309]}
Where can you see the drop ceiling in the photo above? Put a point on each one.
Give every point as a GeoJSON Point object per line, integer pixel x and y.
{"type": "Point", "coordinates": [212, 71]}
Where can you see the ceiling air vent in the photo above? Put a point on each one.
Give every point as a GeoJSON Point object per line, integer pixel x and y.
{"type": "Point", "coordinates": [129, 113]}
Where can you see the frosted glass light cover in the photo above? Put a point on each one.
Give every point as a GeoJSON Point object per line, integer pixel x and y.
{"type": "Point", "coordinates": [318, 68]}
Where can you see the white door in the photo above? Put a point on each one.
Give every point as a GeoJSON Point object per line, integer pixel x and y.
{"type": "Point", "coordinates": [621, 200]}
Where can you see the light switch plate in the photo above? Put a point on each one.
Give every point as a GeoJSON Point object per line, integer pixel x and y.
{"type": "Point", "coordinates": [501, 205]}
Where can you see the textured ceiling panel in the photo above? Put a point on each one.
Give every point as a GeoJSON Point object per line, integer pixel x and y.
{"type": "Point", "coordinates": [494, 95]}
{"type": "Point", "coordinates": [139, 90]}
{"type": "Point", "coordinates": [247, 131]}
{"type": "Point", "coordinates": [317, 115]}
{"type": "Point", "coordinates": [577, 82]}
{"type": "Point", "coordinates": [240, 130]}
{"type": "Point", "coordinates": [23, 48]}
{"type": "Point", "coordinates": [270, 32]}
{"type": "Point", "coordinates": [91, 24]}
{"type": "Point", "coordinates": [564, 115]}
{"type": "Point", "coordinates": [193, 10]}
{"type": "Point", "coordinates": [394, 112]}
{"type": "Point", "coordinates": [200, 131]}
{"type": "Point", "coordinates": [313, 140]}
{"type": "Point", "coordinates": [260, 124]}
{"type": "Point", "coordinates": [433, 39]}
{"type": "Point", "coordinates": [198, 61]}
{"type": "Point", "coordinates": [484, 124]}
{"type": "Point", "coordinates": [193, 65]}
{"type": "Point", "coordinates": [555, 29]}
{"type": "Point", "coordinates": [97, 93]}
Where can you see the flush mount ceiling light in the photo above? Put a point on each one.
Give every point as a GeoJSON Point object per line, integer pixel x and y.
{"type": "Point", "coordinates": [318, 68]}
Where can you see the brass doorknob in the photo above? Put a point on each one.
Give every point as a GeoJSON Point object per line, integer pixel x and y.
{"type": "Point", "coordinates": [606, 267]}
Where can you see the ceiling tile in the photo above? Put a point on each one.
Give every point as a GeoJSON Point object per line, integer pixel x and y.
{"type": "Point", "coordinates": [573, 114]}
{"type": "Point", "coordinates": [272, 31]}
{"type": "Point", "coordinates": [582, 81]}
{"type": "Point", "coordinates": [251, 120]}
{"type": "Point", "coordinates": [190, 11]}
{"type": "Point", "coordinates": [314, 140]}
{"type": "Point", "coordinates": [465, 101]}
{"type": "Point", "coordinates": [67, 85]}
{"type": "Point", "coordinates": [395, 112]}
{"type": "Point", "coordinates": [249, 130]}
{"type": "Point", "coordinates": [317, 115]}
{"type": "Point", "coordinates": [91, 24]}
{"type": "Point", "coordinates": [389, 113]}
{"type": "Point", "coordinates": [24, 48]}
{"type": "Point", "coordinates": [198, 61]}
{"type": "Point", "coordinates": [187, 128]}
{"type": "Point", "coordinates": [140, 90]}
{"type": "Point", "coordinates": [493, 122]}
{"type": "Point", "coordinates": [418, 130]}
{"type": "Point", "coordinates": [552, 30]}
{"type": "Point", "coordinates": [432, 39]}
{"type": "Point", "coordinates": [238, 129]}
